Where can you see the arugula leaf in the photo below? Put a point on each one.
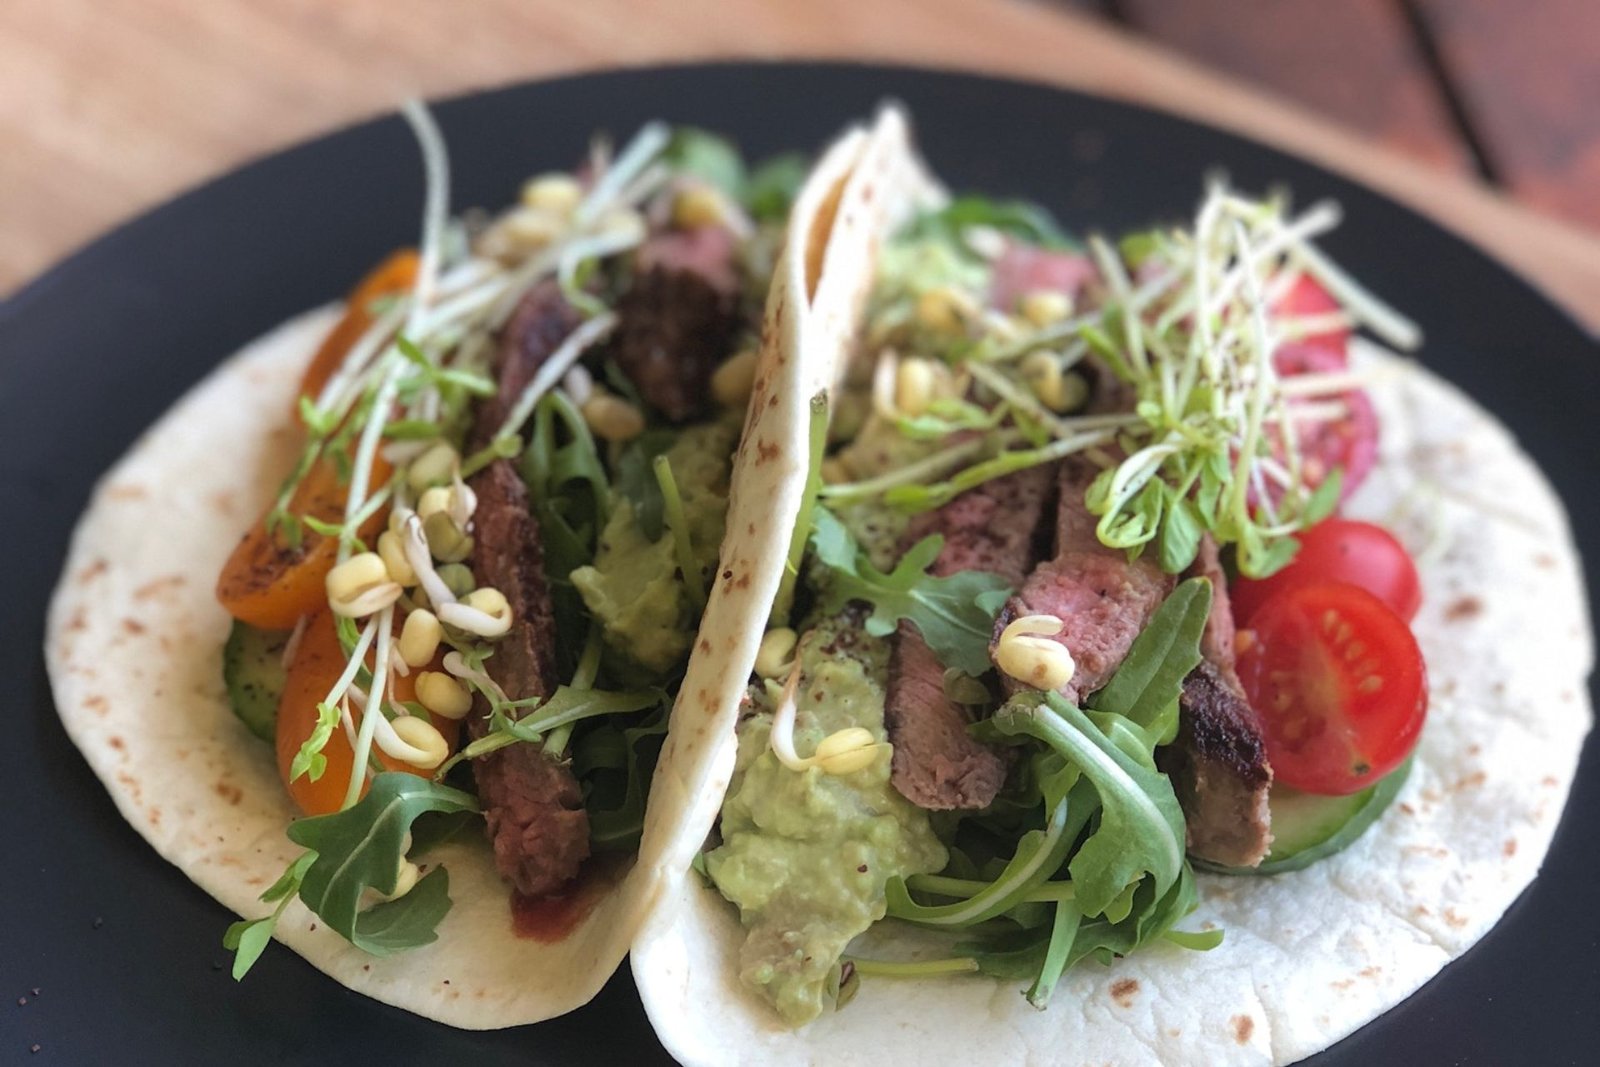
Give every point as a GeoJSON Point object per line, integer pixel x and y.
{"type": "Point", "coordinates": [1150, 679]}
{"type": "Point", "coordinates": [1140, 830]}
{"type": "Point", "coordinates": [612, 760]}
{"type": "Point", "coordinates": [954, 614]}
{"type": "Point", "coordinates": [636, 479]}
{"type": "Point", "coordinates": [413, 920]}
{"type": "Point", "coordinates": [361, 848]}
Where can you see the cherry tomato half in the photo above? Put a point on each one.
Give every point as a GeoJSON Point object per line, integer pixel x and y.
{"type": "Point", "coordinates": [1349, 441]}
{"type": "Point", "coordinates": [1339, 683]}
{"type": "Point", "coordinates": [1340, 550]}
{"type": "Point", "coordinates": [1306, 298]}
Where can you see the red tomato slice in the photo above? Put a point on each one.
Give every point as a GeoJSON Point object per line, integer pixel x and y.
{"type": "Point", "coordinates": [1339, 683]}
{"type": "Point", "coordinates": [1349, 442]}
{"type": "Point", "coordinates": [1340, 550]}
{"type": "Point", "coordinates": [1307, 298]}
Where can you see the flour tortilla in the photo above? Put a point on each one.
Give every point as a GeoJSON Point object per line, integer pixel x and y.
{"type": "Point", "coordinates": [135, 637]}
{"type": "Point", "coordinates": [1310, 956]}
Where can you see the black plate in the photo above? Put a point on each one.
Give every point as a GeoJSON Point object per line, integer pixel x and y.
{"type": "Point", "coordinates": [126, 953]}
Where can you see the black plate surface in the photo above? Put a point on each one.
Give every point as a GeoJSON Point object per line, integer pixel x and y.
{"type": "Point", "coordinates": [126, 953]}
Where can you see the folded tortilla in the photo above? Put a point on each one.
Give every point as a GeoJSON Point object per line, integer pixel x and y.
{"type": "Point", "coordinates": [1308, 956]}
{"type": "Point", "coordinates": [135, 638]}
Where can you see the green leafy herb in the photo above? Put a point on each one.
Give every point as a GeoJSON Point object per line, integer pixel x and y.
{"type": "Point", "coordinates": [309, 760]}
{"type": "Point", "coordinates": [566, 705]}
{"type": "Point", "coordinates": [636, 479]}
{"type": "Point", "coordinates": [694, 582]}
{"type": "Point", "coordinates": [616, 764]}
{"type": "Point", "coordinates": [773, 185]}
{"type": "Point", "coordinates": [954, 614]}
{"type": "Point", "coordinates": [1015, 218]}
{"type": "Point", "coordinates": [818, 441]}
{"type": "Point", "coordinates": [708, 157]}
{"type": "Point", "coordinates": [361, 848]}
{"type": "Point", "coordinates": [248, 938]}
{"type": "Point", "coordinates": [1140, 830]}
{"type": "Point", "coordinates": [1150, 680]}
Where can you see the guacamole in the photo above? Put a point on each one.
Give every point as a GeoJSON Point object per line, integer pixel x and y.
{"type": "Point", "coordinates": [633, 588]}
{"type": "Point", "coordinates": [805, 854]}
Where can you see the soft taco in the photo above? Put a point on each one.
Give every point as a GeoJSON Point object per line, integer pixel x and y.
{"type": "Point", "coordinates": [486, 498]}
{"type": "Point", "coordinates": [1154, 670]}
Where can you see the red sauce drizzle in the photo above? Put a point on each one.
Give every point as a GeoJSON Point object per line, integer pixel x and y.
{"type": "Point", "coordinates": [553, 918]}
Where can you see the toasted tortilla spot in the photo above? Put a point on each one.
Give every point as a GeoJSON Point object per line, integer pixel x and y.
{"type": "Point", "coordinates": [158, 586]}
{"type": "Point", "coordinates": [1510, 848]}
{"type": "Point", "coordinates": [1243, 1027]}
{"type": "Point", "coordinates": [1455, 918]}
{"type": "Point", "coordinates": [92, 571]}
{"type": "Point", "coordinates": [133, 626]}
{"type": "Point", "coordinates": [1123, 990]}
{"type": "Point", "coordinates": [1462, 608]}
{"type": "Point", "coordinates": [231, 793]}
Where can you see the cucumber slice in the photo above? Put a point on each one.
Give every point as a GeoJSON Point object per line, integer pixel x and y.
{"type": "Point", "coordinates": [252, 667]}
{"type": "Point", "coordinates": [1307, 827]}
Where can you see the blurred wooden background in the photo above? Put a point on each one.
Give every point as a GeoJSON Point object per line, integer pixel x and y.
{"type": "Point", "coordinates": [1505, 91]}
{"type": "Point", "coordinates": [1461, 108]}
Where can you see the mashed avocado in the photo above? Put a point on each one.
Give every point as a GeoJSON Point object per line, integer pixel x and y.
{"type": "Point", "coordinates": [805, 854]}
{"type": "Point", "coordinates": [633, 588]}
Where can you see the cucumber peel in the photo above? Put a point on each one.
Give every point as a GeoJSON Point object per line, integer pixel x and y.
{"type": "Point", "coordinates": [252, 668]}
{"type": "Point", "coordinates": [1307, 827]}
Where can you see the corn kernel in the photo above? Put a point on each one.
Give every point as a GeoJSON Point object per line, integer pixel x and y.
{"type": "Point", "coordinates": [612, 418]}
{"type": "Point", "coordinates": [557, 193]}
{"type": "Point", "coordinates": [732, 382]}
{"type": "Point", "coordinates": [419, 638]}
{"type": "Point", "coordinates": [443, 695]}
{"type": "Point", "coordinates": [775, 655]}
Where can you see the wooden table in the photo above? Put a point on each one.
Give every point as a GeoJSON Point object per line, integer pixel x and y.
{"type": "Point", "coordinates": [108, 106]}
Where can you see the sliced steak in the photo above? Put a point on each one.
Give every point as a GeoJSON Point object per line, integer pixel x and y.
{"type": "Point", "coordinates": [1216, 644]}
{"type": "Point", "coordinates": [1218, 766]}
{"type": "Point", "coordinates": [937, 764]}
{"type": "Point", "coordinates": [678, 319]}
{"type": "Point", "coordinates": [1218, 763]}
{"type": "Point", "coordinates": [1102, 598]}
{"type": "Point", "coordinates": [532, 803]}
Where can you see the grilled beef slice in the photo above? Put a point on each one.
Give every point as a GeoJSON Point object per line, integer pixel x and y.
{"type": "Point", "coordinates": [1102, 598]}
{"type": "Point", "coordinates": [532, 803]}
{"type": "Point", "coordinates": [937, 764]}
{"type": "Point", "coordinates": [1218, 764]}
{"type": "Point", "coordinates": [678, 319]}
